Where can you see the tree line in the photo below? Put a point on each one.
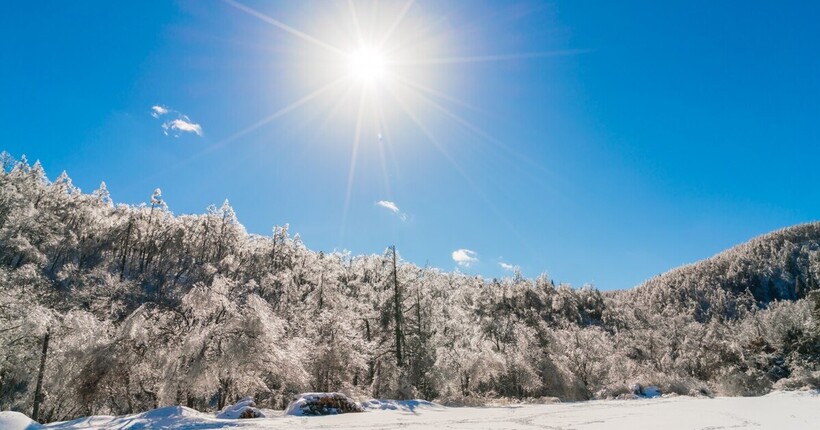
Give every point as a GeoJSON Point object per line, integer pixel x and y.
{"type": "Point", "coordinates": [111, 309]}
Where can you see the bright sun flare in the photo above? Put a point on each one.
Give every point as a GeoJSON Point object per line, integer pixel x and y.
{"type": "Point", "coordinates": [395, 55]}
{"type": "Point", "coordinates": [367, 65]}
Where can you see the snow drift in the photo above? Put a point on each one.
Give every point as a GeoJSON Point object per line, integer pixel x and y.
{"type": "Point", "coordinates": [16, 421]}
{"type": "Point", "coordinates": [796, 410]}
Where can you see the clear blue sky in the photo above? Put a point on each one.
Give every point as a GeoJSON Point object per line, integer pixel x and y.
{"type": "Point", "coordinates": [600, 142]}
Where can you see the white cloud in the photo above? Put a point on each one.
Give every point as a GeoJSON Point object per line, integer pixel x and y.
{"type": "Point", "coordinates": [388, 205]}
{"type": "Point", "coordinates": [158, 111]}
{"type": "Point", "coordinates": [465, 257]}
{"type": "Point", "coordinates": [508, 267]}
{"type": "Point", "coordinates": [392, 207]}
{"type": "Point", "coordinates": [182, 124]}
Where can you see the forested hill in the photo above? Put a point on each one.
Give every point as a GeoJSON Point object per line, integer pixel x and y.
{"type": "Point", "coordinates": [136, 308]}
{"type": "Point", "coordinates": [781, 265]}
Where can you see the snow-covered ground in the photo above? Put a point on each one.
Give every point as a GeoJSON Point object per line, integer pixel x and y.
{"type": "Point", "coordinates": [780, 410]}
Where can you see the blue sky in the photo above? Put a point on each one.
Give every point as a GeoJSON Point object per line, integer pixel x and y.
{"type": "Point", "coordinates": [594, 141]}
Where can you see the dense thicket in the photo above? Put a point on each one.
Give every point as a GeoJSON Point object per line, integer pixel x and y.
{"type": "Point", "coordinates": [782, 265]}
{"type": "Point", "coordinates": [143, 308]}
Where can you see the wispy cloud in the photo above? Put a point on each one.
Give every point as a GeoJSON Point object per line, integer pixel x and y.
{"type": "Point", "coordinates": [508, 267]}
{"type": "Point", "coordinates": [465, 257]}
{"type": "Point", "coordinates": [392, 207]}
{"type": "Point", "coordinates": [182, 125]}
{"type": "Point", "coordinates": [387, 204]}
{"type": "Point", "coordinates": [158, 111]}
{"type": "Point", "coordinates": [177, 126]}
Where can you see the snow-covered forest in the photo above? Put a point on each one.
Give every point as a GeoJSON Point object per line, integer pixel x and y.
{"type": "Point", "coordinates": [114, 309]}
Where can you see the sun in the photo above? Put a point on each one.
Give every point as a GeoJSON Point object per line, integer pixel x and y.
{"type": "Point", "coordinates": [367, 65]}
{"type": "Point", "coordinates": [378, 65]}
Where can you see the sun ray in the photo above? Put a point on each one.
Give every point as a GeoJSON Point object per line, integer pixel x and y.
{"type": "Point", "coordinates": [373, 22]}
{"type": "Point", "coordinates": [439, 94]}
{"type": "Point", "coordinates": [387, 142]}
{"type": "Point", "coordinates": [510, 151]}
{"type": "Point", "coordinates": [380, 126]}
{"type": "Point", "coordinates": [412, 39]}
{"type": "Point", "coordinates": [337, 105]}
{"type": "Point", "coordinates": [491, 58]}
{"type": "Point", "coordinates": [474, 128]}
{"type": "Point", "coordinates": [282, 26]}
{"type": "Point", "coordinates": [351, 172]}
{"type": "Point", "coordinates": [432, 139]}
{"type": "Point", "coordinates": [395, 24]}
{"type": "Point", "coordinates": [475, 188]}
{"type": "Point", "coordinates": [281, 112]}
{"type": "Point", "coordinates": [355, 17]}
{"type": "Point", "coordinates": [213, 147]}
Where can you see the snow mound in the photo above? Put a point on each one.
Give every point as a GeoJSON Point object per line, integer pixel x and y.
{"type": "Point", "coordinates": [793, 393]}
{"type": "Point", "coordinates": [169, 412]}
{"type": "Point", "coordinates": [16, 421]}
{"type": "Point", "coordinates": [399, 405]}
{"type": "Point", "coordinates": [322, 404]}
{"type": "Point", "coordinates": [169, 417]}
{"type": "Point", "coordinates": [245, 408]}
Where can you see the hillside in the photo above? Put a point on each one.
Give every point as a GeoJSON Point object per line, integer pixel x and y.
{"type": "Point", "coordinates": [138, 308]}
{"type": "Point", "coordinates": [781, 265]}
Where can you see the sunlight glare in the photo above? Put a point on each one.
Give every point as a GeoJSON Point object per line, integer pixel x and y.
{"type": "Point", "coordinates": [389, 59]}
{"type": "Point", "coordinates": [367, 65]}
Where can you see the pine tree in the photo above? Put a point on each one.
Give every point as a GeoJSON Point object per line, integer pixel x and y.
{"type": "Point", "coordinates": [397, 312]}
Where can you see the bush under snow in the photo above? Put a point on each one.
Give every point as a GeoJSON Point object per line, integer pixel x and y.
{"type": "Point", "coordinates": [245, 408]}
{"type": "Point", "coordinates": [323, 404]}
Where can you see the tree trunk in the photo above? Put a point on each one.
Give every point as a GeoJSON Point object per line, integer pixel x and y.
{"type": "Point", "coordinates": [814, 296]}
{"type": "Point", "coordinates": [397, 311]}
{"type": "Point", "coordinates": [38, 391]}
{"type": "Point", "coordinates": [125, 249]}
{"type": "Point", "coordinates": [321, 290]}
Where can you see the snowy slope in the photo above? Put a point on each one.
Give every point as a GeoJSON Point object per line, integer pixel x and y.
{"type": "Point", "coordinates": [780, 410]}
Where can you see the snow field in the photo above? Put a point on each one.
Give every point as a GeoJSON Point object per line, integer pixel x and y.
{"type": "Point", "coordinates": [780, 410]}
